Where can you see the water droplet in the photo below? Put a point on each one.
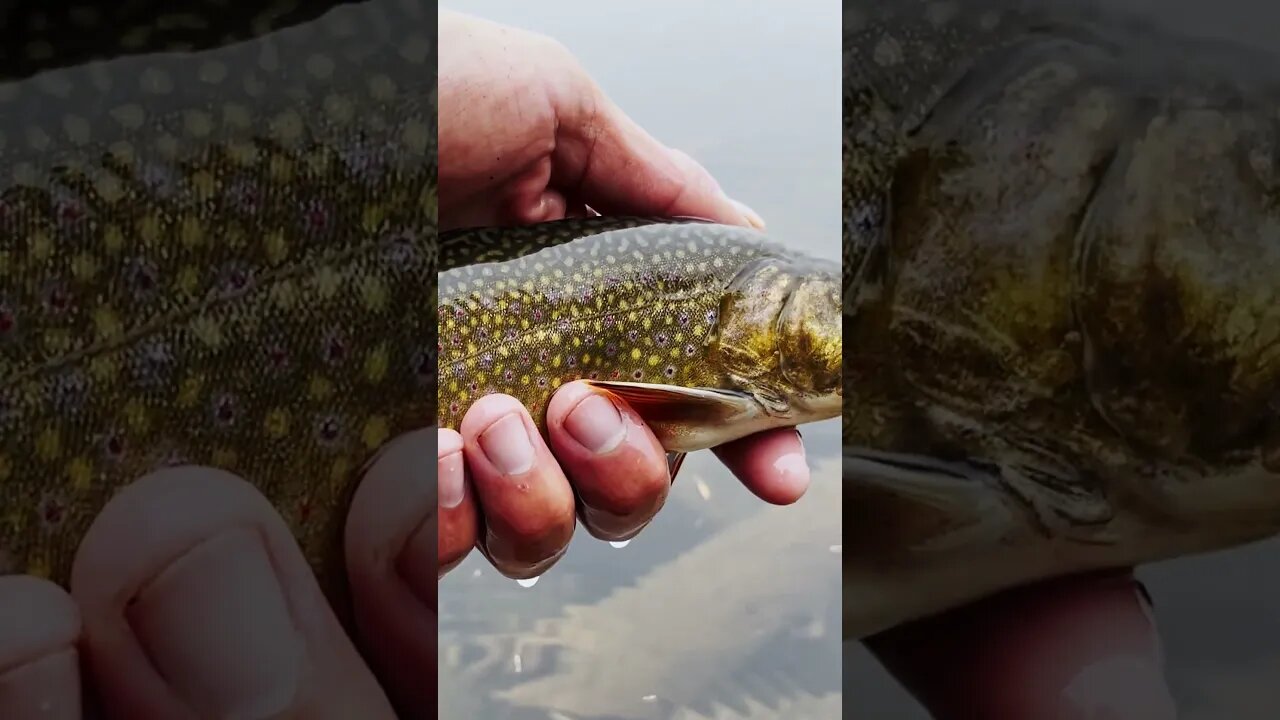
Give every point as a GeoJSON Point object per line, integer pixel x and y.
{"type": "Point", "coordinates": [837, 549]}
{"type": "Point", "coordinates": [619, 543]}
{"type": "Point", "coordinates": [517, 665]}
{"type": "Point", "coordinates": [528, 582]}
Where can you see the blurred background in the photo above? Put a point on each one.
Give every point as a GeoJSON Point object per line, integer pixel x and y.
{"type": "Point", "coordinates": [724, 607]}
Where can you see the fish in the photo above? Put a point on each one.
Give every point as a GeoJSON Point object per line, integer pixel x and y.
{"type": "Point", "coordinates": [1062, 235]}
{"type": "Point", "coordinates": [219, 253]}
{"type": "Point", "coordinates": [711, 332]}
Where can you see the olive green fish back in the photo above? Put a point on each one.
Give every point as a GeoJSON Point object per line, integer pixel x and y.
{"type": "Point", "coordinates": [612, 299]}
{"type": "Point", "coordinates": [224, 257]}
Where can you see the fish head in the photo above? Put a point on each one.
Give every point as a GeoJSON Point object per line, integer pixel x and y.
{"type": "Point", "coordinates": [779, 335]}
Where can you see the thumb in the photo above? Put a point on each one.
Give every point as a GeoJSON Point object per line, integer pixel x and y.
{"type": "Point", "coordinates": [607, 161]}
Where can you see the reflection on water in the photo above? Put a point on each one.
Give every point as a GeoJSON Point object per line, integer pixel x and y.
{"type": "Point", "coordinates": [724, 608]}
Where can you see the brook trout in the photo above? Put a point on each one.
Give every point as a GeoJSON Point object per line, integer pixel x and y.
{"type": "Point", "coordinates": [711, 332]}
{"type": "Point", "coordinates": [1061, 253]}
{"type": "Point", "coordinates": [223, 256]}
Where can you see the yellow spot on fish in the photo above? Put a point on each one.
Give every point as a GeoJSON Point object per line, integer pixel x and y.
{"type": "Point", "coordinates": [340, 470]}
{"type": "Point", "coordinates": [103, 368]}
{"type": "Point", "coordinates": [275, 246]}
{"type": "Point", "coordinates": [242, 152]}
{"type": "Point", "coordinates": [281, 169]}
{"type": "Point", "coordinates": [372, 217]}
{"type": "Point", "coordinates": [135, 414]}
{"type": "Point", "coordinates": [276, 424]}
{"type": "Point", "coordinates": [48, 444]}
{"type": "Point", "coordinates": [327, 281]}
{"type": "Point", "coordinates": [373, 293]}
{"type": "Point", "coordinates": [320, 388]}
{"type": "Point", "coordinates": [57, 341]}
{"type": "Point", "coordinates": [635, 354]}
{"type": "Point", "coordinates": [192, 232]}
{"type": "Point", "coordinates": [188, 279]}
{"type": "Point", "coordinates": [284, 294]}
{"type": "Point", "coordinates": [40, 245]}
{"type": "Point", "coordinates": [655, 359]}
{"type": "Point", "coordinates": [224, 458]}
{"type": "Point", "coordinates": [80, 473]}
{"type": "Point", "coordinates": [107, 323]}
{"type": "Point", "coordinates": [38, 566]}
{"type": "Point", "coordinates": [190, 390]}
{"type": "Point", "coordinates": [375, 364]}
{"type": "Point", "coordinates": [208, 330]}
{"type": "Point", "coordinates": [375, 432]}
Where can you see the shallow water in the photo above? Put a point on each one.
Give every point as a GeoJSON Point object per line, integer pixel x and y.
{"type": "Point", "coordinates": [724, 607]}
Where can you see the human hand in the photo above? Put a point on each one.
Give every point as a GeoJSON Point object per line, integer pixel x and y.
{"type": "Point", "coordinates": [1077, 648]}
{"type": "Point", "coordinates": [527, 136]}
{"type": "Point", "coordinates": [189, 598]}
{"type": "Point", "coordinates": [499, 469]}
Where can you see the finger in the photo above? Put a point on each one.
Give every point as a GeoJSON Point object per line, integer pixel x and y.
{"type": "Point", "coordinates": [615, 463]}
{"type": "Point", "coordinates": [616, 167]}
{"type": "Point", "coordinates": [771, 464]}
{"type": "Point", "coordinates": [39, 664]}
{"type": "Point", "coordinates": [1076, 648]}
{"type": "Point", "coordinates": [526, 504]}
{"type": "Point", "coordinates": [458, 512]}
{"type": "Point", "coordinates": [198, 603]}
{"type": "Point", "coordinates": [391, 558]}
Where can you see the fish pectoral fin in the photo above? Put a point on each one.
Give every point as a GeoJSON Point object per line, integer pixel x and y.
{"type": "Point", "coordinates": [674, 404]}
{"type": "Point", "coordinates": [674, 461]}
{"type": "Point", "coordinates": [1065, 503]}
{"type": "Point", "coordinates": [972, 509]}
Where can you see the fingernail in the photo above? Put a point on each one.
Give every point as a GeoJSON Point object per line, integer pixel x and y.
{"type": "Point", "coordinates": [506, 445]}
{"type": "Point", "coordinates": [751, 216]}
{"type": "Point", "coordinates": [596, 424]}
{"type": "Point", "coordinates": [39, 688]}
{"type": "Point", "coordinates": [417, 559]}
{"type": "Point", "coordinates": [217, 627]}
{"type": "Point", "coordinates": [451, 483]}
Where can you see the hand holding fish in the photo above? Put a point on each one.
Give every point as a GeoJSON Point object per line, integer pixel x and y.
{"type": "Point", "coordinates": [526, 136]}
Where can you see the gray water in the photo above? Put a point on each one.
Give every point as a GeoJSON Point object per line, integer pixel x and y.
{"type": "Point", "coordinates": [724, 602]}
{"type": "Point", "coordinates": [724, 607]}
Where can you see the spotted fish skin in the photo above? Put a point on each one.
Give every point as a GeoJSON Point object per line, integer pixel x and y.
{"type": "Point", "coordinates": [1061, 244]}
{"type": "Point", "coordinates": [223, 257]}
{"type": "Point", "coordinates": [684, 304]}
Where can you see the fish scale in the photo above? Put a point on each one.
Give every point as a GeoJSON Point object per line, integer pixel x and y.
{"type": "Point", "coordinates": [223, 257]}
